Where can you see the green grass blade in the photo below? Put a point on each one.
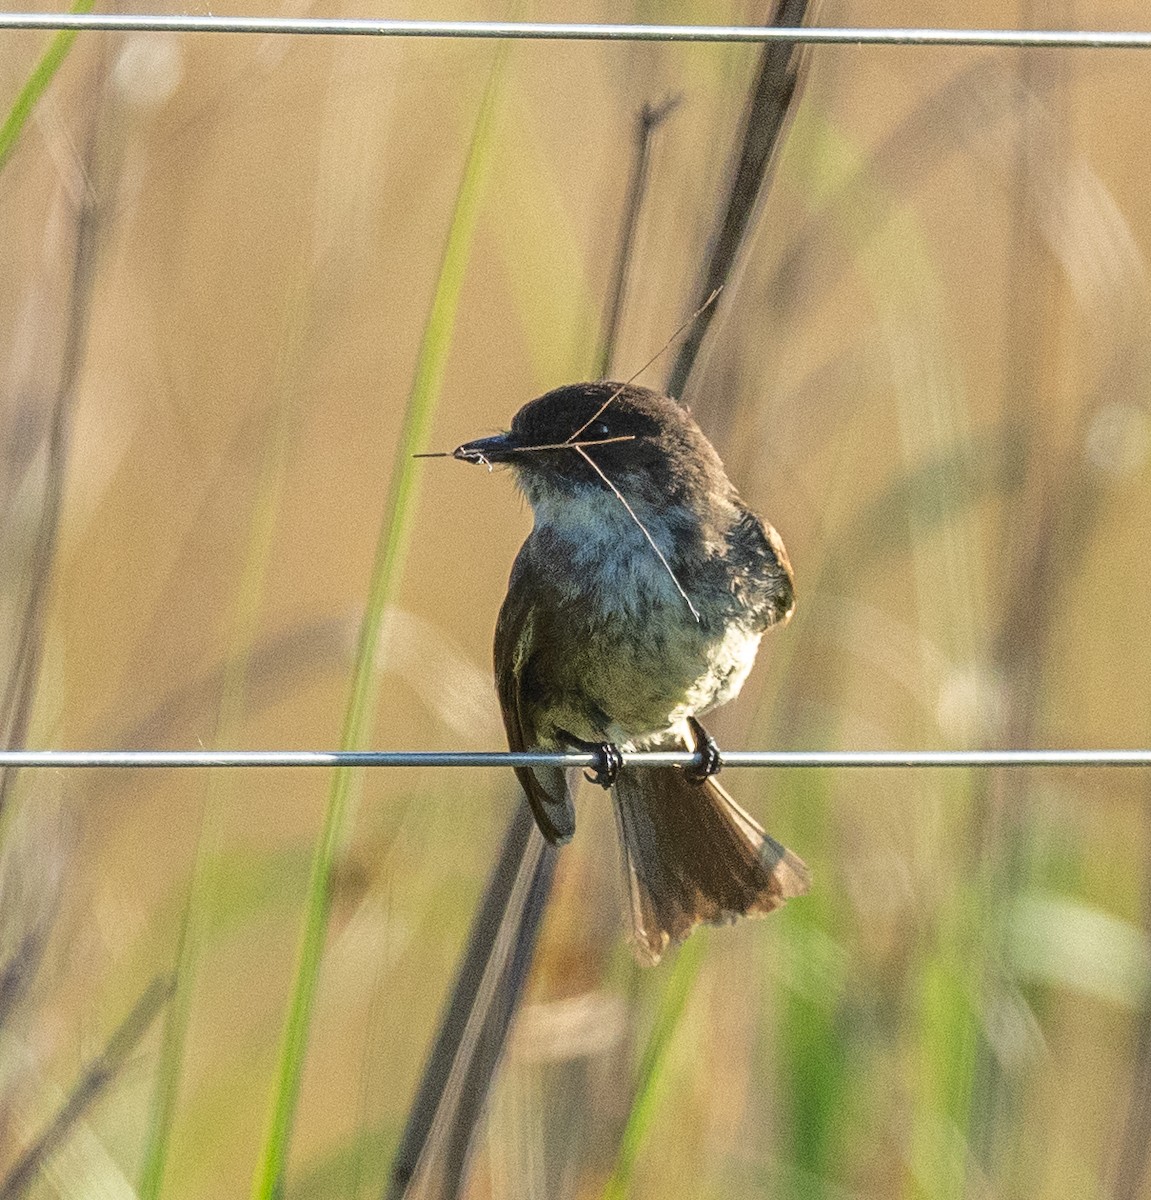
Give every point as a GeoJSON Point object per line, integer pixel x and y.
{"type": "Point", "coordinates": [37, 83]}
{"type": "Point", "coordinates": [654, 1064]}
{"type": "Point", "coordinates": [395, 532]}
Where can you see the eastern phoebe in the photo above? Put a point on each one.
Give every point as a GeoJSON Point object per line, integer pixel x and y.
{"type": "Point", "coordinates": [637, 604]}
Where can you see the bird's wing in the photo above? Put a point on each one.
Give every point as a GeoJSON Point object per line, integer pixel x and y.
{"type": "Point", "coordinates": [517, 651]}
{"type": "Point", "coordinates": [773, 581]}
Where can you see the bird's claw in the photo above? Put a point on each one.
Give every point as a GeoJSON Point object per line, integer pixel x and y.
{"type": "Point", "coordinates": [711, 762]}
{"type": "Point", "coordinates": [607, 770]}
{"type": "Point", "coordinates": [610, 760]}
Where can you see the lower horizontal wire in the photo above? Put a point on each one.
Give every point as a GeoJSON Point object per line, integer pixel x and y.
{"type": "Point", "coordinates": [437, 758]}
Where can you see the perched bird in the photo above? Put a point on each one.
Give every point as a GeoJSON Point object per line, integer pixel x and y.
{"type": "Point", "coordinates": [636, 605]}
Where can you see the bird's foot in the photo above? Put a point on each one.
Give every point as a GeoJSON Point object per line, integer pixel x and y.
{"type": "Point", "coordinates": [705, 746]}
{"type": "Point", "coordinates": [607, 769]}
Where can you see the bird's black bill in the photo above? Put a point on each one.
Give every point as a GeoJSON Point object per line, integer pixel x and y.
{"type": "Point", "coordinates": [487, 450]}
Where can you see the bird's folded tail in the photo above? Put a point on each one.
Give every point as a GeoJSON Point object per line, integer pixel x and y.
{"type": "Point", "coordinates": [692, 855]}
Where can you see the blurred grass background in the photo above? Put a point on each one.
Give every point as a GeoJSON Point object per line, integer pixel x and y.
{"type": "Point", "coordinates": [218, 257]}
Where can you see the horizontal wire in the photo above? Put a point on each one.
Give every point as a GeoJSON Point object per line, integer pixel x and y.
{"type": "Point", "coordinates": [452, 758]}
{"type": "Point", "coordinates": [573, 31]}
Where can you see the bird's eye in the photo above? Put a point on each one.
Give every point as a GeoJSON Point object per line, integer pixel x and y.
{"type": "Point", "coordinates": [599, 429]}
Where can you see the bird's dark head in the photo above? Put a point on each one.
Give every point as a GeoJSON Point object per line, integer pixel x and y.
{"type": "Point", "coordinates": [646, 444]}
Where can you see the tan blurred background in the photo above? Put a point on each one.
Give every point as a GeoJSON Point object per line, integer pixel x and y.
{"type": "Point", "coordinates": [931, 374]}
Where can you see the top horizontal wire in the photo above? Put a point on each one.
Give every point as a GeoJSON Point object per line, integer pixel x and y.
{"type": "Point", "coordinates": [570, 31]}
{"type": "Point", "coordinates": [533, 758]}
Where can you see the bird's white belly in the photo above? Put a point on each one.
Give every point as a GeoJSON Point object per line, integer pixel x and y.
{"type": "Point", "coordinates": [729, 662]}
{"type": "Point", "coordinates": [656, 664]}
{"type": "Point", "coordinates": [649, 700]}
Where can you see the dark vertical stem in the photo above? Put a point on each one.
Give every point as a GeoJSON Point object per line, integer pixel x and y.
{"type": "Point", "coordinates": [476, 1081]}
{"type": "Point", "coordinates": [98, 1076]}
{"type": "Point", "coordinates": [473, 1031]}
{"type": "Point", "coordinates": [17, 973]}
{"type": "Point", "coordinates": [20, 687]}
{"type": "Point", "coordinates": [648, 120]}
{"type": "Point", "coordinates": [772, 99]}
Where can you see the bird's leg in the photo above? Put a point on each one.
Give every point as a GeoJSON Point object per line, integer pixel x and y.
{"type": "Point", "coordinates": [708, 751]}
{"type": "Point", "coordinates": [610, 762]}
